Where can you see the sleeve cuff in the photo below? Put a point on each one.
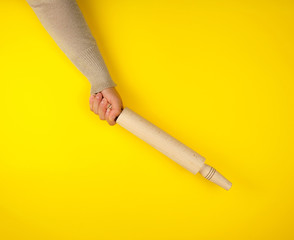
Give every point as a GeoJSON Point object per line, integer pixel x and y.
{"type": "Point", "coordinates": [96, 89]}
{"type": "Point", "coordinates": [92, 65]}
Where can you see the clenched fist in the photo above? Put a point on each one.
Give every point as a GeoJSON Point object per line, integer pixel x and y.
{"type": "Point", "coordinates": [100, 102]}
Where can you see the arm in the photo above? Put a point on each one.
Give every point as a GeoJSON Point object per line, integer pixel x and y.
{"type": "Point", "coordinates": [65, 23]}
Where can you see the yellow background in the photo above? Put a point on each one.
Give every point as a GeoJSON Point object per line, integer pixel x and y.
{"type": "Point", "coordinates": [217, 75]}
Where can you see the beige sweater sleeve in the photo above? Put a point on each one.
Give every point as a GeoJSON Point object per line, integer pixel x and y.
{"type": "Point", "coordinates": [65, 23]}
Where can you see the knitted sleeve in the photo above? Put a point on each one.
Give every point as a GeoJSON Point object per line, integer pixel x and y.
{"type": "Point", "coordinates": [65, 23]}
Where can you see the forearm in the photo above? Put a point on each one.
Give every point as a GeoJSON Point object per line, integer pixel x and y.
{"type": "Point", "coordinates": [65, 23]}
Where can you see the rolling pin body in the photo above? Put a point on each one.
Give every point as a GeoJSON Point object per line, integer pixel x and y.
{"type": "Point", "coordinates": [169, 146]}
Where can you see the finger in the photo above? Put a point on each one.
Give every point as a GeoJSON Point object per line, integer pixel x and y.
{"type": "Point", "coordinates": [102, 108]}
{"type": "Point", "coordinates": [115, 112]}
{"type": "Point", "coordinates": [108, 110]}
{"type": "Point", "coordinates": [96, 103]}
{"type": "Point", "coordinates": [91, 101]}
{"type": "Point", "coordinates": [112, 116]}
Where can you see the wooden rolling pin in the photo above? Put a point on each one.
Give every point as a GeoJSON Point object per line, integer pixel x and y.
{"type": "Point", "coordinates": [169, 146]}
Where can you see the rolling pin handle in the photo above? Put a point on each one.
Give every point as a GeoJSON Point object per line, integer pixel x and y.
{"type": "Point", "coordinates": [214, 176]}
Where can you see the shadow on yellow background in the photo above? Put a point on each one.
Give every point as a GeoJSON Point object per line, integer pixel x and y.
{"type": "Point", "coordinates": [217, 75]}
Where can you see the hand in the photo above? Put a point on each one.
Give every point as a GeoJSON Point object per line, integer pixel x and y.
{"type": "Point", "coordinates": [100, 101]}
